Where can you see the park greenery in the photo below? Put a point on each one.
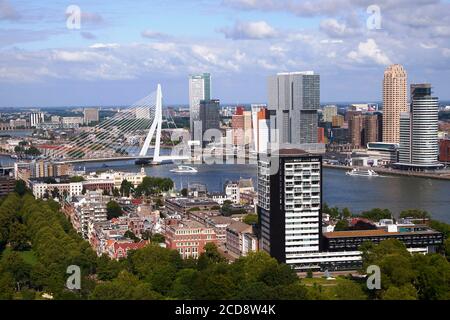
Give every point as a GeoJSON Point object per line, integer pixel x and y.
{"type": "Point", "coordinates": [38, 243]}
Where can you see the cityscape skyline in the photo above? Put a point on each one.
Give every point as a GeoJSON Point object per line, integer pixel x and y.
{"type": "Point", "coordinates": [117, 54]}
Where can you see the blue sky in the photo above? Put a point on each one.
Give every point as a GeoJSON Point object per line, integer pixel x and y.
{"type": "Point", "coordinates": [124, 48]}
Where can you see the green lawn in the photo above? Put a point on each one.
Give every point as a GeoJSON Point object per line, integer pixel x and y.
{"type": "Point", "coordinates": [28, 256]}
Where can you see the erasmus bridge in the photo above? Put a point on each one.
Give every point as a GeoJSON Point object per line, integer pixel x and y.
{"type": "Point", "coordinates": [120, 137]}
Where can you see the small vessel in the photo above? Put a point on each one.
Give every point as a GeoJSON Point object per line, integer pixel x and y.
{"type": "Point", "coordinates": [184, 169]}
{"type": "Point", "coordinates": [362, 173]}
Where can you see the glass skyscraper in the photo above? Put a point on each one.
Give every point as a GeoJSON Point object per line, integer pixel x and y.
{"type": "Point", "coordinates": [295, 98]}
{"type": "Point", "coordinates": [199, 89]}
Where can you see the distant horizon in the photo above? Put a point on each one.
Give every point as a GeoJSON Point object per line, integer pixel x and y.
{"type": "Point", "coordinates": [225, 104]}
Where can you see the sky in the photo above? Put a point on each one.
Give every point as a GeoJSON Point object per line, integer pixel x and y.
{"type": "Point", "coordinates": [120, 50]}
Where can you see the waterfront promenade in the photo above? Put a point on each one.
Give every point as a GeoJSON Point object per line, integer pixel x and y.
{"type": "Point", "coordinates": [441, 174]}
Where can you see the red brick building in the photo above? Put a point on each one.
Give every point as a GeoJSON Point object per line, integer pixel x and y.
{"type": "Point", "coordinates": [444, 150]}
{"type": "Point", "coordinates": [119, 249]}
{"type": "Point", "coordinates": [188, 237]}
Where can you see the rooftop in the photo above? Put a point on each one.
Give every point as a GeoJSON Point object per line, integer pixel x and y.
{"type": "Point", "coordinates": [371, 233]}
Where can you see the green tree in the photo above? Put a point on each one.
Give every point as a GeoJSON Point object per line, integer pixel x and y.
{"type": "Point", "coordinates": [130, 235]}
{"type": "Point", "coordinates": [377, 214]}
{"type": "Point", "coordinates": [250, 219]}
{"type": "Point", "coordinates": [349, 290]}
{"type": "Point", "coordinates": [77, 179]}
{"type": "Point", "coordinates": [32, 151]}
{"type": "Point", "coordinates": [113, 210]}
{"type": "Point", "coordinates": [346, 213]}
{"type": "Point", "coordinates": [341, 225]}
{"type": "Point", "coordinates": [125, 188]}
{"type": "Point", "coordinates": [184, 192]}
{"type": "Point", "coordinates": [125, 287]}
{"type": "Point", "coordinates": [210, 256]}
{"type": "Point", "coordinates": [6, 286]}
{"type": "Point", "coordinates": [20, 188]}
{"type": "Point", "coordinates": [415, 213]}
{"type": "Point", "coordinates": [18, 238]}
{"type": "Point", "coordinates": [157, 238]}
{"type": "Point", "coordinates": [406, 292]}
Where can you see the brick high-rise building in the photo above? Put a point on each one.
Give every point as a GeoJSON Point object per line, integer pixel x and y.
{"type": "Point", "coordinates": [395, 101]}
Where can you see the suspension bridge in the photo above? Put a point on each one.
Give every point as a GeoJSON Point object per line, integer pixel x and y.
{"type": "Point", "coordinates": [119, 137]}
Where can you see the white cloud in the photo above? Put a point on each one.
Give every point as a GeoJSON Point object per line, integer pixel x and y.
{"type": "Point", "coordinates": [336, 29]}
{"type": "Point", "coordinates": [370, 50]}
{"type": "Point", "coordinates": [251, 30]}
{"type": "Point", "coordinates": [104, 46]}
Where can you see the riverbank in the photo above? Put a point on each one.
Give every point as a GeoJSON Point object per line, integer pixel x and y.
{"type": "Point", "coordinates": [395, 172]}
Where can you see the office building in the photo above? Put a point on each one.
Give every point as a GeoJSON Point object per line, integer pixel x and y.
{"type": "Point", "coordinates": [419, 130]}
{"type": "Point", "coordinates": [199, 89]}
{"type": "Point", "coordinates": [209, 116]}
{"type": "Point", "coordinates": [328, 113]}
{"type": "Point", "coordinates": [90, 115]}
{"type": "Point", "coordinates": [395, 101]}
{"type": "Point", "coordinates": [295, 98]}
{"type": "Point", "coordinates": [289, 205]}
{"type": "Point", "coordinates": [36, 118]}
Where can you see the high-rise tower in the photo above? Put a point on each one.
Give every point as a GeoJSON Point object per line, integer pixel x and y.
{"type": "Point", "coordinates": [395, 101]}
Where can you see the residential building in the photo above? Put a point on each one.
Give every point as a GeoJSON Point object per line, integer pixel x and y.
{"type": "Point", "coordinates": [295, 98]}
{"type": "Point", "coordinates": [199, 89]}
{"type": "Point", "coordinates": [235, 237]}
{"type": "Point", "coordinates": [395, 101]}
{"type": "Point", "coordinates": [337, 121]}
{"type": "Point", "coordinates": [120, 249]}
{"type": "Point", "coordinates": [329, 112]}
{"type": "Point", "coordinates": [188, 237]}
{"type": "Point", "coordinates": [234, 189]}
{"type": "Point", "coordinates": [7, 185]}
{"type": "Point", "coordinates": [91, 115]}
{"type": "Point", "coordinates": [41, 189]}
{"type": "Point", "coordinates": [181, 206]}
{"type": "Point", "coordinates": [70, 122]}
{"type": "Point", "coordinates": [289, 205]}
{"type": "Point", "coordinates": [89, 209]}
{"type": "Point", "coordinates": [363, 129]}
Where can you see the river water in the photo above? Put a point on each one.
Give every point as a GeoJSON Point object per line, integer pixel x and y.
{"type": "Point", "coordinates": [356, 193]}
{"type": "Point", "coordinates": [395, 193]}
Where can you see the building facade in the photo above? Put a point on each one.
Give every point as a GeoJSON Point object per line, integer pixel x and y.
{"type": "Point", "coordinates": [295, 98]}
{"type": "Point", "coordinates": [209, 117]}
{"type": "Point", "coordinates": [289, 205]}
{"type": "Point", "coordinates": [91, 115]}
{"type": "Point", "coordinates": [199, 89]}
{"type": "Point", "coordinates": [395, 101]}
{"type": "Point", "coordinates": [419, 147]}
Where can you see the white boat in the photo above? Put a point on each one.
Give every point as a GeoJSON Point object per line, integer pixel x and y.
{"type": "Point", "coordinates": [184, 169]}
{"type": "Point", "coordinates": [362, 173]}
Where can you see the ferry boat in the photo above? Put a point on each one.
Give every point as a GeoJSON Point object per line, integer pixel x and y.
{"type": "Point", "coordinates": [362, 173]}
{"type": "Point", "coordinates": [184, 169]}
